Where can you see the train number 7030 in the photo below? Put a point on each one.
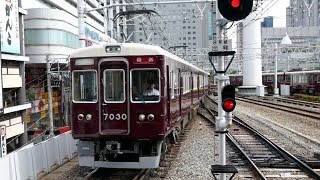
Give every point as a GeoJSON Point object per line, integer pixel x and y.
{"type": "Point", "coordinates": [115, 116]}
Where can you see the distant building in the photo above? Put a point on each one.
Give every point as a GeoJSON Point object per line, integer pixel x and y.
{"type": "Point", "coordinates": [301, 37]}
{"type": "Point", "coordinates": [51, 33]}
{"type": "Point", "coordinates": [175, 26]}
{"type": "Point", "coordinates": [13, 103]}
{"type": "Point", "coordinates": [303, 13]}
{"type": "Point", "coordinates": [267, 22]}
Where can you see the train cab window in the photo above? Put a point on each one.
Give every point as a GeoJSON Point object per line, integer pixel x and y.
{"type": "Point", "coordinates": [114, 90]}
{"type": "Point", "coordinates": [270, 79]}
{"type": "Point", "coordinates": [287, 77]}
{"type": "Point", "coordinates": [280, 79]}
{"type": "Point", "coordinates": [145, 85]}
{"type": "Point", "coordinates": [84, 87]}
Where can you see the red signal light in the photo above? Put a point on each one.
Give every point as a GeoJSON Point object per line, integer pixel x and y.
{"type": "Point", "coordinates": [235, 3]}
{"type": "Point", "coordinates": [228, 105]}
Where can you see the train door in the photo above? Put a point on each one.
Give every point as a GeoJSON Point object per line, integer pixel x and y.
{"type": "Point", "coordinates": [113, 90]}
{"type": "Point", "coordinates": [169, 89]}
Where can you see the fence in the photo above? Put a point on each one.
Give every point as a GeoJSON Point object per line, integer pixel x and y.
{"type": "Point", "coordinates": [36, 160]}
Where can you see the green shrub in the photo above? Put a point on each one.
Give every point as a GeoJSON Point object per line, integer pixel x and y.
{"type": "Point", "coordinates": [305, 97]}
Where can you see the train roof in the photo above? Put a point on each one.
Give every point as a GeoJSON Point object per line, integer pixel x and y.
{"type": "Point", "coordinates": [132, 49]}
{"type": "Point", "coordinates": [292, 72]}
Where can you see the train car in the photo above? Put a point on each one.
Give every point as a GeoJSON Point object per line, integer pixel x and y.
{"type": "Point", "coordinates": [129, 101]}
{"type": "Point", "coordinates": [268, 80]}
{"type": "Point", "coordinates": [304, 82]}
{"type": "Point", "coordinates": [236, 79]}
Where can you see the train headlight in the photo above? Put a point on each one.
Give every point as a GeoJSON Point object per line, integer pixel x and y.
{"type": "Point", "coordinates": [150, 117]}
{"type": "Point", "coordinates": [80, 117]}
{"type": "Point", "coordinates": [88, 117]}
{"type": "Point", "coordinates": [142, 117]}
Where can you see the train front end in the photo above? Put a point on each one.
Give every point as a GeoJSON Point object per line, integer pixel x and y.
{"type": "Point", "coordinates": [117, 124]}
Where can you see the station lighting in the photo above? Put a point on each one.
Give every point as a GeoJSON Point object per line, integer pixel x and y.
{"type": "Point", "coordinates": [228, 98]}
{"type": "Point", "coordinates": [235, 10]}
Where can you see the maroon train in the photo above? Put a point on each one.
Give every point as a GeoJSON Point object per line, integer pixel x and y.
{"type": "Point", "coordinates": [304, 82]}
{"type": "Point", "coordinates": [119, 125]}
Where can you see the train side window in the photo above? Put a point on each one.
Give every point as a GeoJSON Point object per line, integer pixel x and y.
{"type": "Point", "coordinates": [318, 79]}
{"type": "Point", "coordinates": [176, 84]}
{"type": "Point", "coordinates": [172, 84]}
{"type": "Point", "coordinates": [312, 79]}
{"type": "Point", "coordinates": [294, 79]}
{"type": "Point", "coordinates": [114, 90]}
{"type": "Point", "coordinates": [194, 82]}
{"type": "Point", "coordinates": [84, 86]}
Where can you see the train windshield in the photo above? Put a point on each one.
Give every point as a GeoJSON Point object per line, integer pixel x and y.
{"type": "Point", "coordinates": [145, 86]}
{"type": "Point", "coordinates": [84, 86]}
{"type": "Point", "coordinates": [114, 85]}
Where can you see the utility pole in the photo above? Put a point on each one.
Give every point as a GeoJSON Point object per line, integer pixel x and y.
{"type": "Point", "coordinates": [276, 89]}
{"type": "Point", "coordinates": [81, 24]}
{"type": "Point", "coordinates": [233, 11]}
{"type": "Point", "coordinates": [49, 96]}
{"type": "Point", "coordinates": [220, 83]}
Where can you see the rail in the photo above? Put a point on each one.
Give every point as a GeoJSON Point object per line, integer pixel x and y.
{"type": "Point", "coordinates": [306, 168]}
{"type": "Point", "coordinates": [285, 154]}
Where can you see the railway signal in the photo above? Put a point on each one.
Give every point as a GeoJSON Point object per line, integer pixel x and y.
{"type": "Point", "coordinates": [235, 10]}
{"type": "Point", "coordinates": [228, 98]}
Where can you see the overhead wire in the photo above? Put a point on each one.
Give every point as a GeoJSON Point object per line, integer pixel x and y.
{"type": "Point", "coordinates": [255, 18]}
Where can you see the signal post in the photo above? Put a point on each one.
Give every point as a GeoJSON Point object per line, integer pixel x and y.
{"type": "Point", "coordinates": [232, 10]}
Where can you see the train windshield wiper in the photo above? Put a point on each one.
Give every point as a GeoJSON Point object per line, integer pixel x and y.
{"type": "Point", "coordinates": [141, 97]}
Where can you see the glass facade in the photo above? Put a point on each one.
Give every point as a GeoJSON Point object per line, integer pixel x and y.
{"type": "Point", "coordinates": [51, 37]}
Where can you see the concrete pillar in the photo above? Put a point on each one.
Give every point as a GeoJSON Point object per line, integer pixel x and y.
{"type": "Point", "coordinates": [252, 68]}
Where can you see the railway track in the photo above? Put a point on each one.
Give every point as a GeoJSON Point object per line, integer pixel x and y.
{"type": "Point", "coordinates": [124, 174]}
{"type": "Point", "coordinates": [260, 157]}
{"type": "Point", "coordinates": [298, 102]}
{"type": "Point", "coordinates": [295, 110]}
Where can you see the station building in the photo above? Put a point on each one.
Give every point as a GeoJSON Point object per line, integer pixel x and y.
{"type": "Point", "coordinates": [51, 34]}
{"type": "Point", "coordinates": [13, 102]}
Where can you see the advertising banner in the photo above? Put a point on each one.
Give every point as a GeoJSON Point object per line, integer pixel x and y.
{"type": "Point", "coordinates": [9, 26]}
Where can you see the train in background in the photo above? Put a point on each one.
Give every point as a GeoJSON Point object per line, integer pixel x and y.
{"type": "Point", "coordinates": [117, 123]}
{"type": "Point", "coordinates": [304, 82]}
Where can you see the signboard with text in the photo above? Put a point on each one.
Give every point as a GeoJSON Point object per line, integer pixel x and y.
{"type": "Point", "coordinates": [3, 141]}
{"type": "Point", "coordinates": [9, 26]}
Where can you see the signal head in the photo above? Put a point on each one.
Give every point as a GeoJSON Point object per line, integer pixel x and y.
{"type": "Point", "coordinates": [228, 98]}
{"type": "Point", "coordinates": [228, 105]}
{"type": "Point", "coordinates": [235, 10]}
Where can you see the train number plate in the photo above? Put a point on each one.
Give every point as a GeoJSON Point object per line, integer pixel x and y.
{"type": "Point", "coordinates": [116, 117]}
